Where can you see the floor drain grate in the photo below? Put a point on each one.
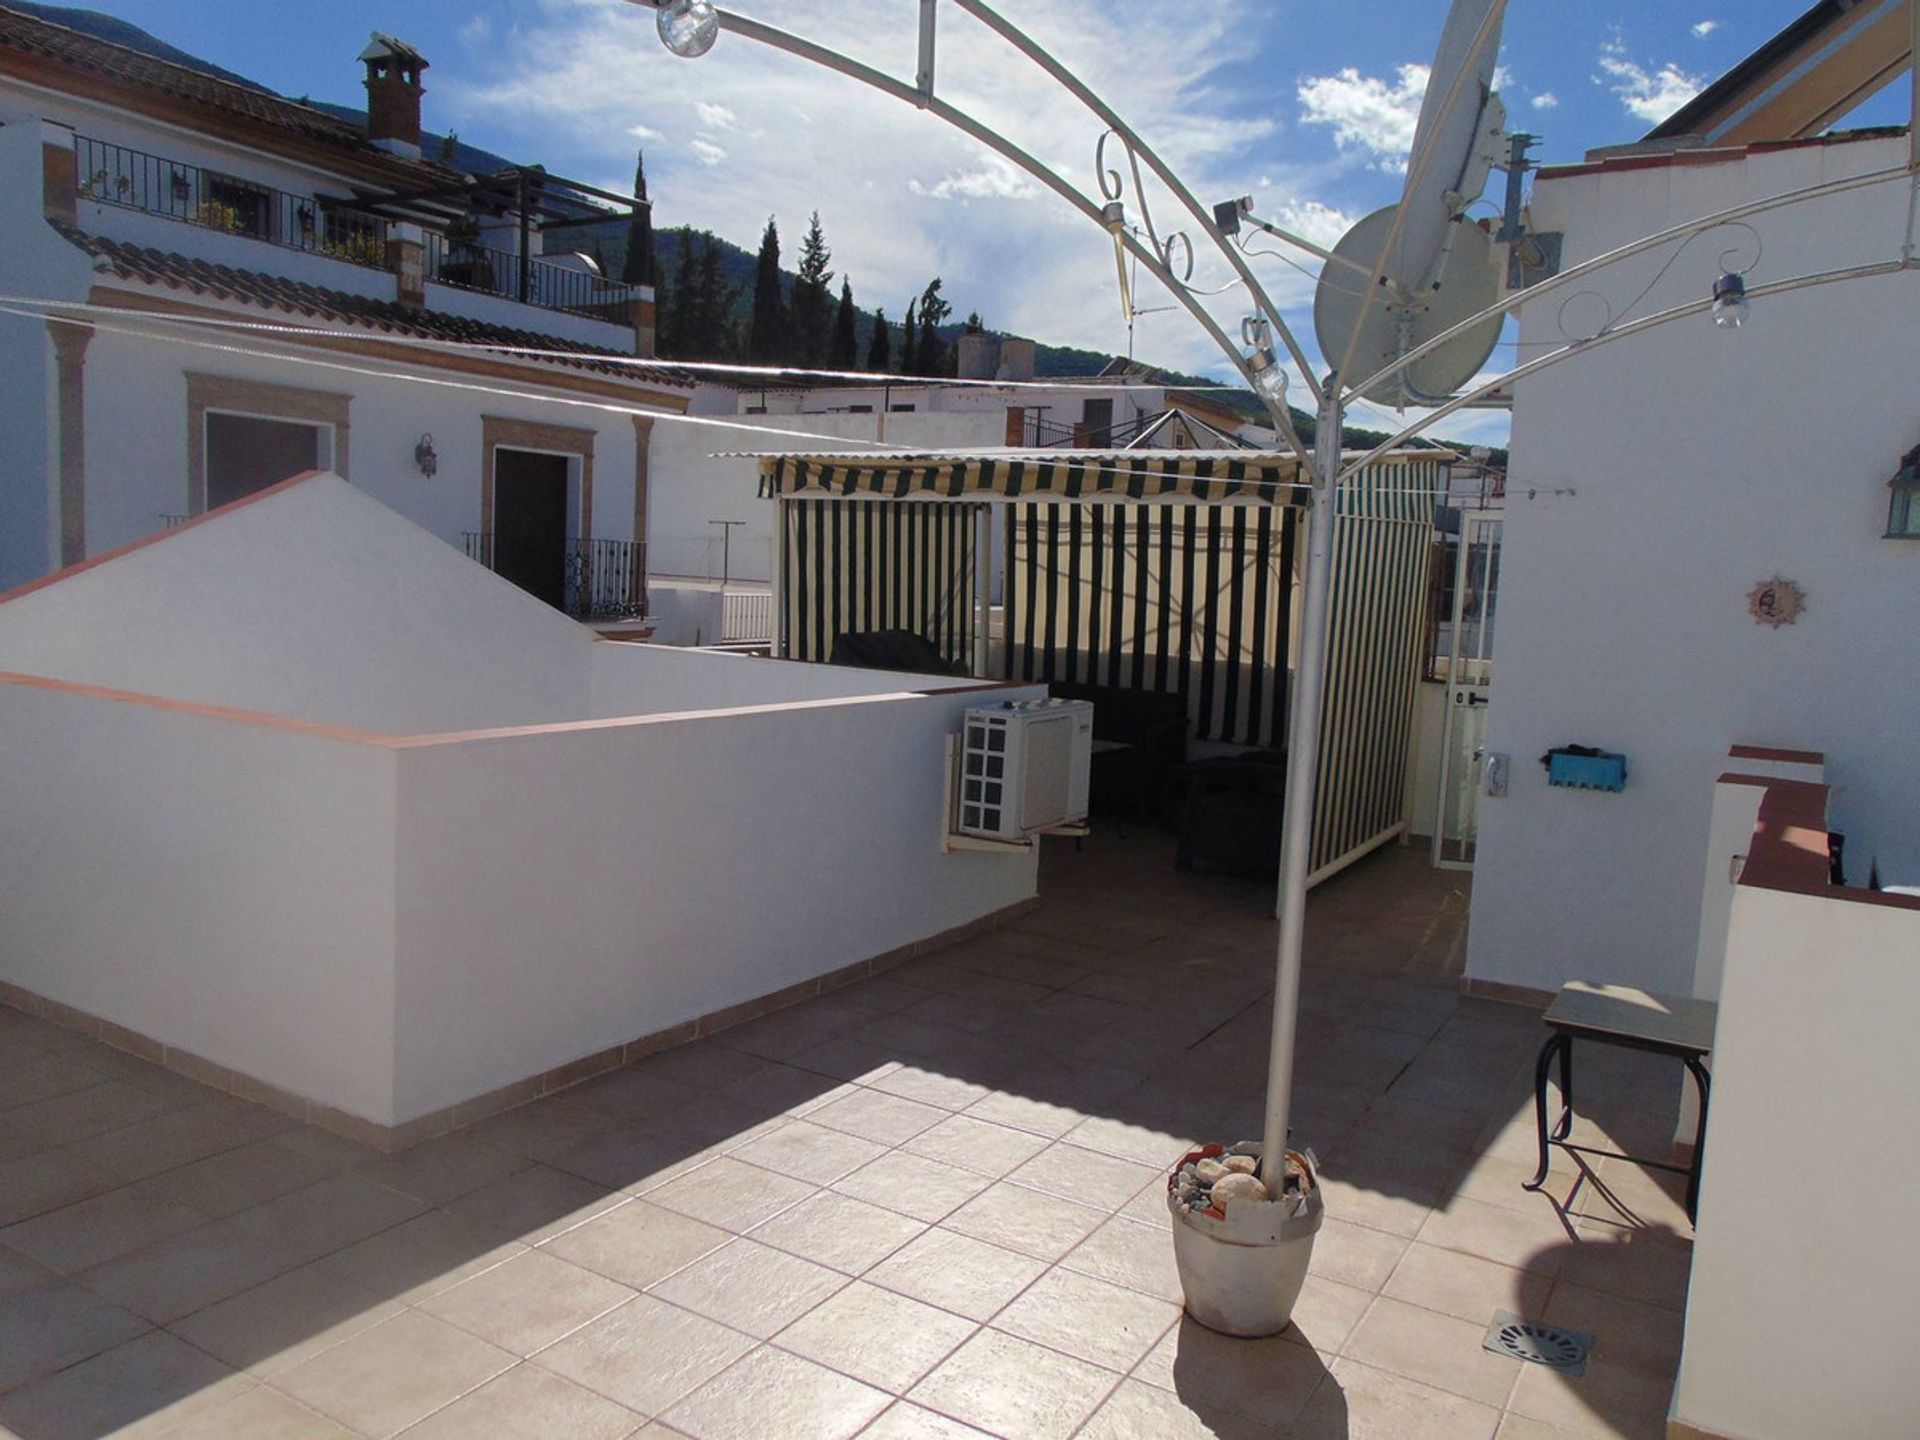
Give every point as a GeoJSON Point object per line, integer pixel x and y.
{"type": "Point", "coordinates": [1538, 1344]}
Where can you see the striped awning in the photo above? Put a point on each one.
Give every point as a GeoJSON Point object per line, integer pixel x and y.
{"type": "Point", "coordinates": [1253, 477]}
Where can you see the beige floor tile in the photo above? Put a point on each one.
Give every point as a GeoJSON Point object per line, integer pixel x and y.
{"type": "Point", "coordinates": [742, 1401]}
{"type": "Point", "coordinates": [1143, 1144]}
{"type": "Point", "coordinates": [1495, 1179]}
{"type": "Point", "coordinates": [927, 1190]}
{"type": "Point", "coordinates": [637, 1244]}
{"type": "Point", "coordinates": [1465, 1286]}
{"type": "Point", "coordinates": [1399, 1208]}
{"type": "Point", "coordinates": [1529, 1240]}
{"type": "Point", "coordinates": [1641, 1265]}
{"type": "Point", "coordinates": [1010, 1386]}
{"type": "Point", "coordinates": [92, 1110]}
{"type": "Point", "coordinates": [49, 1327]}
{"type": "Point", "coordinates": [423, 1256]}
{"type": "Point", "coordinates": [957, 1273]}
{"type": "Point", "coordinates": [237, 1180]}
{"type": "Point", "coordinates": [290, 1319]}
{"type": "Point", "coordinates": [1017, 1218]}
{"type": "Point", "coordinates": [1137, 1256]}
{"type": "Point", "coordinates": [647, 1354]}
{"type": "Point", "coordinates": [810, 1152]}
{"type": "Point", "coordinates": [142, 1388]}
{"type": "Point", "coordinates": [1434, 1349]}
{"type": "Point", "coordinates": [1630, 1195]}
{"type": "Point", "coordinates": [631, 1093]}
{"type": "Point", "coordinates": [543, 1129]}
{"type": "Point", "coordinates": [907, 1421]}
{"type": "Point", "coordinates": [178, 1138]}
{"type": "Point", "coordinates": [21, 1272]}
{"type": "Point", "coordinates": [536, 1204]}
{"type": "Point", "coordinates": [529, 1302]}
{"type": "Point", "coordinates": [394, 1374]}
{"type": "Point", "coordinates": [1358, 1402]}
{"type": "Point", "coordinates": [931, 1087]}
{"type": "Point", "coordinates": [877, 1336]}
{"type": "Point", "coordinates": [1625, 1332]}
{"type": "Point", "coordinates": [878, 1116]}
{"type": "Point", "coordinates": [1615, 1401]}
{"type": "Point", "coordinates": [632, 1159]}
{"type": "Point", "coordinates": [1137, 1411]}
{"type": "Point", "coordinates": [1355, 1255]}
{"type": "Point", "coordinates": [327, 1216]}
{"type": "Point", "coordinates": [1325, 1314]}
{"type": "Point", "coordinates": [1519, 1427]}
{"type": "Point", "coordinates": [76, 1237]}
{"type": "Point", "coordinates": [444, 1168]}
{"type": "Point", "coordinates": [1103, 1182]}
{"type": "Point", "coordinates": [261, 1413]}
{"type": "Point", "coordinates": [35, 1074]}
{"type": "Point", "coordinates": [751, 1287]}
{"type": "Point", "coordinates": [529, 1403]}
{"type": "Point", "coordinates": [48, 1180]}
{"type": "Point", "coordinates": [838, 1231]}
{"type": "Point", "coordinates": [1033, 1113]}
{"type": "Point", "coordinates": [185, 1273]}
{"type": "Point", "coordinates": [1088, 1318]}
{"type": "Point", "coordinates": [986, 1149]}
{"type": "Point", "coordinates": [1264, 1380]}
{"type": "Point", "coordinates": [731, 1194]}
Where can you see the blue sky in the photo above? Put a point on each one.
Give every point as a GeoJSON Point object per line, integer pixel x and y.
{"type": "Point", "coordinates": [1306, 106]}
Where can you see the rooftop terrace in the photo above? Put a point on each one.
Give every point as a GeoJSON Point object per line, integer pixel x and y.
{"type": "Point", "coordinates": [922, 1203]}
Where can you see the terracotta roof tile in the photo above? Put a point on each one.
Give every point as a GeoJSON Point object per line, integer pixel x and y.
{"type": "Point", "coordinates": [316, 302]}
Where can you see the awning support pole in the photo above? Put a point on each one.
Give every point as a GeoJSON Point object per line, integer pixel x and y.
{"type": "Point", "coordinates": [779, 577]}
{"type": "Point", "coordinates": [983, 590]}
{"type": "Point", "coordinates": [1303, 765]}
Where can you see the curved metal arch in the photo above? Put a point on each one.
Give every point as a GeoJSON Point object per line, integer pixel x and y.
{"type": "Point", "coordinates": [923, 98]}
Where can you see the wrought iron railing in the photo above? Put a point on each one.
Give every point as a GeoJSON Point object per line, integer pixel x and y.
{"type": "Point", "coordinates": [601, 579]}
{"type": "Point", "coordinates": [174, 190]}
{"type": "Point", "coordinates": [473, 266]}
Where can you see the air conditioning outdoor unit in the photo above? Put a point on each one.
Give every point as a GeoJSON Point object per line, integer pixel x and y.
{"type": "Point", "coordinates": [1023, 768]}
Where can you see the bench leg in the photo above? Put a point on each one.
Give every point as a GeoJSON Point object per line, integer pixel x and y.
{"type": "Point", "coordinates": [1700, 1081]}
{"type": "Point", "coordinates": [1563, 1127]}
{"type": "Point", "coordinates": [1542, 1070]}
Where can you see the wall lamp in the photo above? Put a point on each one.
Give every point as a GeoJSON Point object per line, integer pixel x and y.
{"type": "Point", "coordinates": [1730, 301]}
{"type": "Point", "coordinates": [687, 27]}
{"type": "Point", "coordinates": [1903, 509]}
{"type": "Point", "coordinates": [425, 458]}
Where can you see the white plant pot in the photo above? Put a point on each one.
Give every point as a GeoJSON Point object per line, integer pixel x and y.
{"type": "Point", "coordinates": [1242, 1275]}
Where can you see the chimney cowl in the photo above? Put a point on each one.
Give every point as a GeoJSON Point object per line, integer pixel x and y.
{"type": "Point", "coordinates": [393, 94]}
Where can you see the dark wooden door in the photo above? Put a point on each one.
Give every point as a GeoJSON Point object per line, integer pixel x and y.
{"type": "Point", "coordinates": [530, 522]}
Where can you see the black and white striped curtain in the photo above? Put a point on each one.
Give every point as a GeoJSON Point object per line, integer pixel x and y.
{"type": "Point", "coordinates": [1185, 599]}
{"type": "Point", "coordinates": [857, 565]}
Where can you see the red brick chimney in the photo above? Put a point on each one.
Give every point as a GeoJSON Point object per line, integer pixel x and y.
{"type": "Point", "coordinates": [393, 94]}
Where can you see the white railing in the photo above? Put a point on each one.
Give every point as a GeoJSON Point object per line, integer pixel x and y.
{"type": "Point", "coordinates": [746, 616]}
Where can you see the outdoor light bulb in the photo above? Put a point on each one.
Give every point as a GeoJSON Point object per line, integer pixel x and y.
{"type": "Point", "coordinates": [1268, 378]}
{"type": "Point", "coordinates": [1729, 301]}
{"type": "Point", "coordinates": [688, 27]}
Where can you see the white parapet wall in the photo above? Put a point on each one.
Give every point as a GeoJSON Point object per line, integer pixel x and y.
{"type": "Point", "coordinates": [301, 793]}
{"type": "Point", "coordinates": [1806, 1255]}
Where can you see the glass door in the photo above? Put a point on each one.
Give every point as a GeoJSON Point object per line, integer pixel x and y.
{"type": "Point", "coordinates": [1467, 650]}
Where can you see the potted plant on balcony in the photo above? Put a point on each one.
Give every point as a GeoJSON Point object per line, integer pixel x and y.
{"type": "Point", "coordinates": [1242, 1250]}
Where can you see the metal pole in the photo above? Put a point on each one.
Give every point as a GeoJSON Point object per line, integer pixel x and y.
{"type": "Point", "coordinates": [1303, 768]}
{"type": "Point", "coordinates": [726, 548]}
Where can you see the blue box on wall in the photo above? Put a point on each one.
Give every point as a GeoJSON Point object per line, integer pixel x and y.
{"type": "Point", "coordinates": [1581, 767]}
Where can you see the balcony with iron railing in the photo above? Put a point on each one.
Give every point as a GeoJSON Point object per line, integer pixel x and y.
{"type": "Point", "coordinates": [588, 579]}
{"type": "Point", "coordinates": [175, 190]}
{"type": "Point", "coordinates": [334, 226]}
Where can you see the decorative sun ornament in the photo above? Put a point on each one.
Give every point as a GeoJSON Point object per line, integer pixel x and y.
{"type": "Point", "coordinates": [1776, 602]}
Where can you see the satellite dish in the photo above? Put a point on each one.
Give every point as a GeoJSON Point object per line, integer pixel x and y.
{"type": "Point", "coordinates": [1468, 283]}
{"type": "Point", "coordinates": [1440, 271]}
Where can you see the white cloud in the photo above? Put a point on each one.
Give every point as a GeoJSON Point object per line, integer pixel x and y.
{"type": "Point", "coordinates": [1309, 219]}
{"type": "Point", "coordinates": [476, 31]}
{"type": "Point", "coordinates": [706, 152]}
{"type": "Point", "coordinates": [714, 117]}
{"type": "Point", "coordinates": [1366, 112]}
{"type": "Point", "coordinates": [1649, 95]}
{"type": "Point", "coordinates": [1705, 28]}
{"type": "Point", "coordinates": [644, 132]}
{"type": "Point", "coordinates": [995, 180]}
{"type": "Point", "coordinates": [1546, 100]}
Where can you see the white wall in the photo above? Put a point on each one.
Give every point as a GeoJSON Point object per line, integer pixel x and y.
{"type": "Point", "coordinates": [689, 487]}
{"type": "Point", "coordinates": [225, 888]}
{"type": "Point", "coordinates": [562, 893]}
{"type": "Point", "coordinates": [1806, 1254]}
{"type": "Point", "coordinates": [317, 603]}
{"type": "Point", "coordinates": [1654, 482]}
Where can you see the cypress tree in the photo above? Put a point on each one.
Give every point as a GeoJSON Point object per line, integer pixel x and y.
{"type": "Point", "coordinates": [931, 356]}
{"type": "Point", "coordinates": [638, 267]}
{"type": "Point", "coordinates": [880, 348]}
{"type": "Point", "coordinates": [713, 306]}
{"type": "Point", "coordinates": [845, 349]}
{"type": "Point", "coordinates": [812, 300]}
{"type": "Point", "coordinates": [767, 332]}
{"type": "Point", "coordinates": [908, 340]}
{"type": "Point", "coordinates": [677, 319]}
